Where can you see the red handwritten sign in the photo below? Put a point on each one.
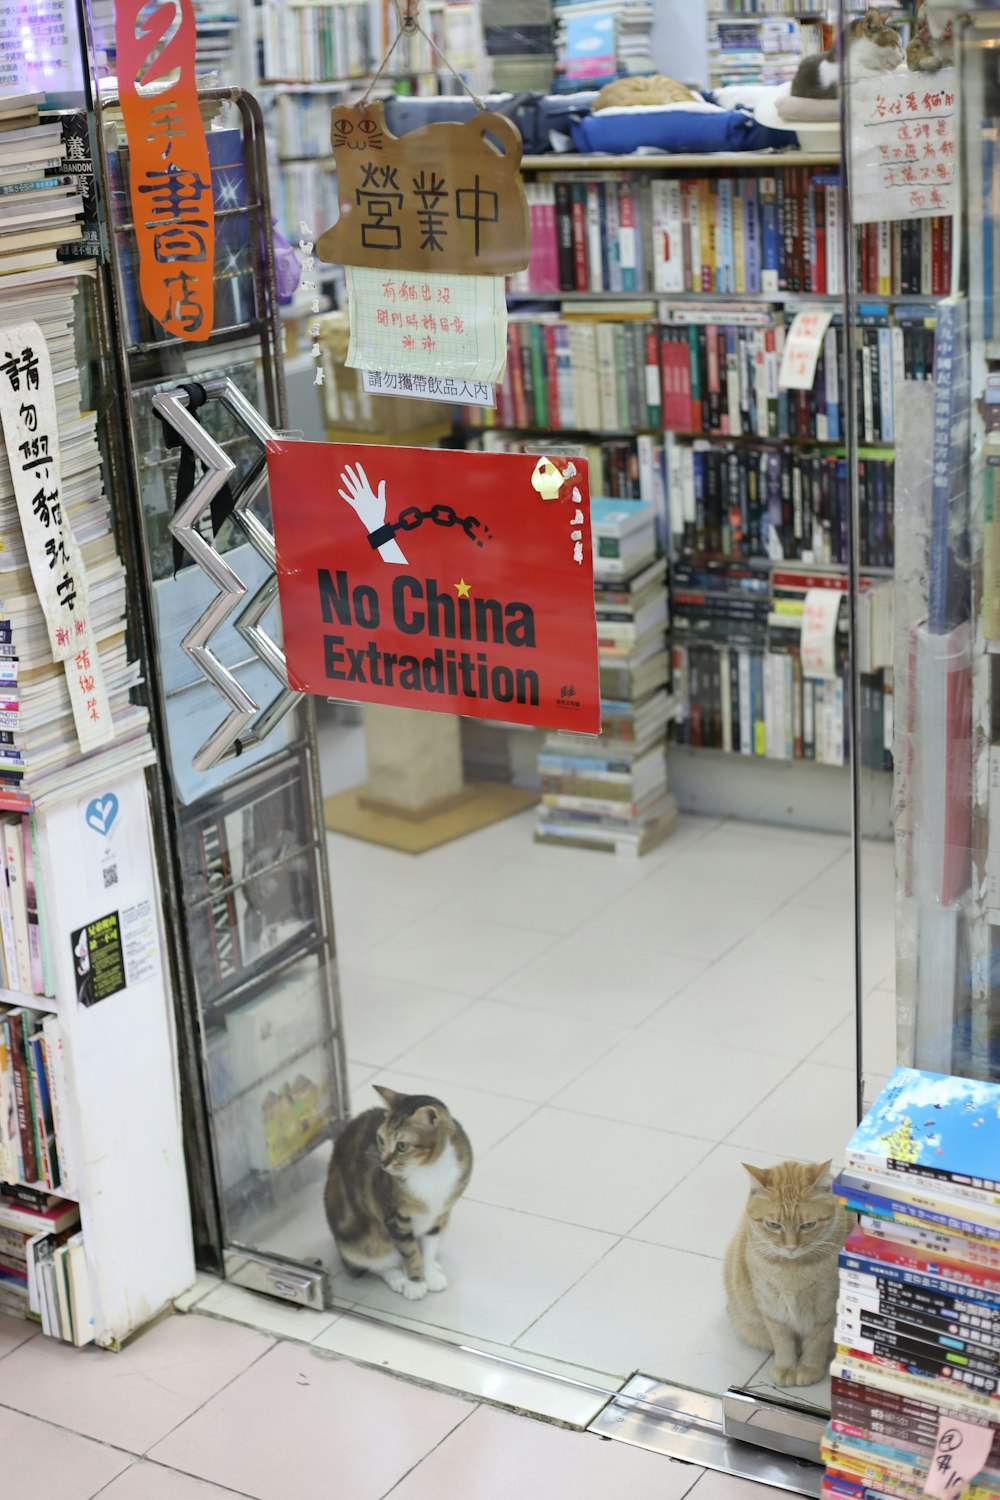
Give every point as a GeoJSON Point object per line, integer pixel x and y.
{"type": "Point", "coordinates": [456, 582]}
{"type": "Point", "coordinates": [172, 207]}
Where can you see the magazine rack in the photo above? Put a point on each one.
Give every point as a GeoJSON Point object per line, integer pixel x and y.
{"type": "Point", "coordinates": [239, 806]}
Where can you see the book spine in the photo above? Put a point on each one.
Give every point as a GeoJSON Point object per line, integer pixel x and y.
{"type": "Point", "coordinates": [22, 1097]}
{"type": "Point", "coordinates": [564, 237]}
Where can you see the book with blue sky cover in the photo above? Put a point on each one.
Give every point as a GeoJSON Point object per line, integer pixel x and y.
{"type": "Point", "coordinates": [590, 44]}
{"type": "Point", "coordinates": [932, 1126]}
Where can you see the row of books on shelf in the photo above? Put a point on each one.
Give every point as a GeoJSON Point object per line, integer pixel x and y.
{"type": "Point", "coordinates": [738, 679]}
{"type": "Point", "coordinates": [710, 371]}
{"type": "Point", "coordinates": [310, 43]}
{"type": "Point", "coordinates": [617, 231]}
{"type": "Point", "coordinates": [318, 42]}
{"type": "Point", "coordinates": [626, 468]}
{"type": "Point", "coordinates": [762, 51]}
{"type": "Point", "coordinates": [752, 701]}
{"type": "Point", "coordinates": [43, 1263]}
{"type": "Point", "coordinates": [34, 1100]}
{"type": "Point", "coordinates": [737, 502]}
{"type": "Point", "coordinates": [918, 1312]}
{"type": "Point", "coordinates": [304, 193]}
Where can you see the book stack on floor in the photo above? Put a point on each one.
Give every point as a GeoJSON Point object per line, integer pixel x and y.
{"type": "Point", "coordinates": [917, 1368]}
{"type": "Point", "coordinates": [43, 1265]}
{"type": "Point", "coordinates": [610, 793]}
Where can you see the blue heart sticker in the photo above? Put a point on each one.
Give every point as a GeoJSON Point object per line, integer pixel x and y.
{"type": "Point", "coordinates": [102, 812]}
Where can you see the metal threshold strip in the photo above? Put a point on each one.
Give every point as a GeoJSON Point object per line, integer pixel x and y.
{"type": "Point", "coordinates": [741, 1434]}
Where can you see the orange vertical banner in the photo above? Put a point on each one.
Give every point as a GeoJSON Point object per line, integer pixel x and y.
{"type": "Point", "coordinates": [171, 179]}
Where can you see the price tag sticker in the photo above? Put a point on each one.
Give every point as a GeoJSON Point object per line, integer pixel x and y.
{"type": "Point", "coordinates": [803, 346]}
{"type": "Point", "coordinates": [819, 633]}
{"type": "Point", "coordinates": [960, 1453]}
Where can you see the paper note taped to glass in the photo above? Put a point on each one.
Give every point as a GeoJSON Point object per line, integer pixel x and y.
{"type": "Point", "coordinates": [430, 224]}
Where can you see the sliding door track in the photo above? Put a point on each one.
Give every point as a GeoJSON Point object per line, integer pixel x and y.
{"type": "Point", "coordinates": [740, 1434]}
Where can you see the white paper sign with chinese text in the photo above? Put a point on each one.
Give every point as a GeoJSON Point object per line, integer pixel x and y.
{"type": "Point", "coordinates": [803, 346]}
{"type": "Point", "coordinates": [31, 438]}
{"type": "Point", "coordinates": [427, 323]}
{"type": "Point", "coordinates": [819, 633]}
{"type": "Point", "coordinates": [429, 388]}
{"type": "Point", "coordinates": [903, 154]}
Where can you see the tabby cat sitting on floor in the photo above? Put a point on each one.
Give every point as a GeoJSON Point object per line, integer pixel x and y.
{"type": "Point", "coordinates": [395, 1175]}
{"type": "Point", "coordinates": [781, 1269]}
{"type": "Point", "coordinates": [873, 47]}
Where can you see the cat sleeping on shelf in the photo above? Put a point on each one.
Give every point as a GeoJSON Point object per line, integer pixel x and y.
{"type": "Point", "coordinates": [781, 1269]}
{"type": "Point", "coordinates": [872, 47]}
{"type": "Point", "coordinates": [395, 1175]}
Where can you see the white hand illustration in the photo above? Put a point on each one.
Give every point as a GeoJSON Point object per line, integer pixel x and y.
{"type": "Point", "coordinates": [369, 508]}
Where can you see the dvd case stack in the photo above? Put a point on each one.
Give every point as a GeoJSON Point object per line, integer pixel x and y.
{"type": "Point", "coordinates": [610, 793]}
{"type": "Point", "coordinates": [917, 1367]}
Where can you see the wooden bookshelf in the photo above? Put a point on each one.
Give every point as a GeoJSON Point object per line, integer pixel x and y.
{"type": "Point", "coordinates": [681, 161]}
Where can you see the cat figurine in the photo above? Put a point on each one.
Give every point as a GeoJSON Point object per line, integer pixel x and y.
{"type": "Point", "coordinates": [932, 47]}
{"type": "Point", "coordinates": [395, 1175]}
{"type": "Point", "coordinates": [873, 47]}
{"type": "Point", "coordinates": [780, 1269]}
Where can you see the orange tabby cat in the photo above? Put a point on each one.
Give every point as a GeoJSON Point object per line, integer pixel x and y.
{"type": "Point", "coordinates": [781, 1268]}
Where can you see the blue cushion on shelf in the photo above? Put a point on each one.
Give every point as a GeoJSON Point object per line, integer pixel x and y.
{"type": "Point", "coordinates": [619, 132]}
{"type": "Point", "coordinates": [535, 115]}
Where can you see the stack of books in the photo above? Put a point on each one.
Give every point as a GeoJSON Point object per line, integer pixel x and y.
{"type": "Point", "coordinates": [43, 1264]}
{"type": "Point", "coordinates": [767, 51]}
{"type": "Point", "coordinates": [38, 212]}
{"type": "Point", "coordinates": [39, 749]}
{"type": "Point", "coordinates": [600, 40]}
{"type": "Point", "coordinates": [610, 793]}
{"type": "Point", "coordinates": [917, 1368]}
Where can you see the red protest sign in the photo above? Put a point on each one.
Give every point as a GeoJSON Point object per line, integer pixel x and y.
{"type": "Point", "coordinates": [456, 582]}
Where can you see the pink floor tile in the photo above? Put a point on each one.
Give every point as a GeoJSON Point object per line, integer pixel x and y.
{"type": "Point", "coordinates": [299, 1423]}
{"type": "Point", "coordinates": [493, 1456]}
{"type": "Point", "coordinates": [14, 1332]}
{"type": "Point", "coordinates": [134, 1398]}
{"type": "Point", "coordinates": [49, 1464]}
{"type": "Point", "coordinates": [145, 1481]}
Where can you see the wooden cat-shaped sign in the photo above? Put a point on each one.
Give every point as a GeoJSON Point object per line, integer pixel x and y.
{"type": "Point", "coordinates": [446, 197]}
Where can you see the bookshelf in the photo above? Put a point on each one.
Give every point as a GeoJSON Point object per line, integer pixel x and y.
{"type": "Point", "coordinates": [95, 1235]}
{"type": "Point", "coordinates": [603, 354]}
{"type": "Point", "coordinates": [303, 59]}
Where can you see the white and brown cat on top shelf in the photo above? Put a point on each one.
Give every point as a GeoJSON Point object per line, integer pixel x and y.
{"type": "Point", "coordinates": [932, 45]}
{"type": "Point", "coordinates": [872, 47]}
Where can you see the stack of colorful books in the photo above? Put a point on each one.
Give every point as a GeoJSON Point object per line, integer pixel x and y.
{"type": "Point", "coordinates": [915, 1403]}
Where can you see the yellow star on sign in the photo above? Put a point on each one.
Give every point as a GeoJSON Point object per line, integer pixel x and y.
{"type": "Point", "coordinates": [462, 589]}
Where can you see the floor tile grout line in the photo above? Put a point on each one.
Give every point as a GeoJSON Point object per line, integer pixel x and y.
{"type": "Point", "coordinates": [35, 1333]}
{"type": "Point", "coordinates": [515, 1343]}
{"type": "Point", "coordinates": [441, 1441]}
{"type": "Point", "coordinates": [271, 1345]}
{"type": "Point", "coordinates": [171, 1469]}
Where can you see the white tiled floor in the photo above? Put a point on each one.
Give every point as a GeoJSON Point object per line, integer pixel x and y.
{"type": "Point", "coordinates": [617, 1037]}
{"type": "Point", "coordinates": [199, 1409]}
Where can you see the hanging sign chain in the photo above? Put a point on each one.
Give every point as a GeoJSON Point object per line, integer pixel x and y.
{"type": "Point", "coordinates": [409, 25]}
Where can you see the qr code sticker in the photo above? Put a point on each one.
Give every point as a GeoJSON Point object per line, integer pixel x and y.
{"type": "Point", "coordinates": [110, 873]}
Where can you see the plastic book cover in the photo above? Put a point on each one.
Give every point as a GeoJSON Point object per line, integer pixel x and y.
{"type": "Point", "coordinates": [930, 1124]}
